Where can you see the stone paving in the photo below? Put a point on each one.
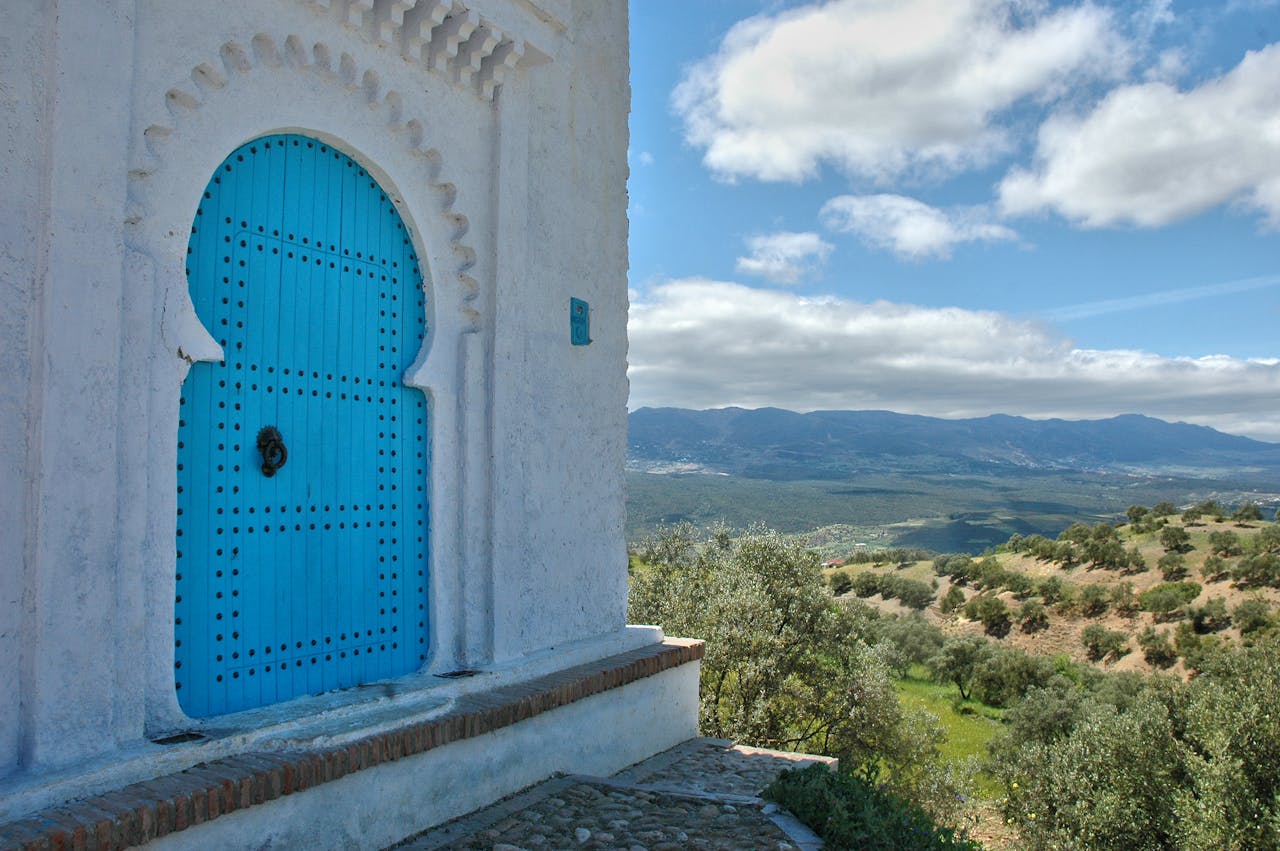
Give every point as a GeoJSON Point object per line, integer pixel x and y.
{"type": "Point", "coordinates": [702, 794]}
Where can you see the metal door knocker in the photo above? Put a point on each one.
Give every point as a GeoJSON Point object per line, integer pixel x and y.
{"type": "Point", "coordinates": [271, 445]}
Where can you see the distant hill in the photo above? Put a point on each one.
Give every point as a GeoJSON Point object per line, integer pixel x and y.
{"type": "Point", "coordinates": [947, 485]}
{"type": "Point", "coordinates": [771, 443]}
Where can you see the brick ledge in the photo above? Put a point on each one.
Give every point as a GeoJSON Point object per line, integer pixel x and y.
{"type": "Point", "coordinates": [140, 812]}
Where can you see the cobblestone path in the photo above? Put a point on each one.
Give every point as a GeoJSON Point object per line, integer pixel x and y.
{"type": "Point", "coordinates": [702, 794]}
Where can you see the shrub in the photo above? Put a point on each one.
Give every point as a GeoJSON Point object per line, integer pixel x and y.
{"type": "Point", "coordinates": [1136, 513]}
{"type": "Point", "coordinates": [993, 614]}
{"type": "Point", "coordinates": [1044, 715]}
{"type": "Point", "coordinates": [955, 566]}
{"type": "Point", "coordinates": [1033, 616]}
{"type": "Point", "coordinates": [1211, 616]}
{"type": "Point", "coordinates": [952, 600]}
{"type": "Point", "coordinates": [1156, 647]}
{"type": "Point", "coordinates": [1215, 569]}
{"type": "Point", "coordinates": [1038, 546]}
{"type": "Point", "coordinates": [1186, 591]}
{"type": "Point", "coordinates": [958, 661]}
{"type": "Point", "coordinates": [1257, 571]}
{"type": "Point", "coordinates": [1209, 508]}
{"type": "Point", "coordinates": [1051, 590]}
{"type": "Point", "coordinates": [1172, 566]}
{"type": "Point", "coordinates": [1246, 513]}
{"type": "Point", "coordinates": [1064, 552]}
{"type": "Point", "coordinates": [1267, 540]}
{"type": "Point", "coordinates": [841, 582]}
{"type": "Point", "coordinates": [786, 665]}
{"type": "Point", "coordinates": [1021, 585]}
{"type": "Point", "coordinates": [1103, 643]}
{"type": "Point", "coordinates": [1106, 553]}
{"type": "Point", "coordinates": [1195, 649]}
{"type": "Point", "coordinates": [853, 811]}
{"type": "Point", "coordinates": [989, 574]}
{"type": "Point", "coordinates": [1225, 543]}
{"type": "Point", "coordinates": [866, 584]}
{"type": "Point", "coordinates": [1171, 765]}
{"type": "Point", "coordinates": [913, 594]}
{"type": "Point", "coordinates": [1076, 533]}
{"type": "Point", "coordinates": [1104, 784]}
{"type": "Point", "coordinates": [1164, 603]}
{"type": "Point", "coordinates": [1252, 615]}
{"type": "Point", "coordinates": [1166, 600]}
{"type": "Point", "coordinates": [1094, 600]}
{"type": "Point", "coordinates": [1124, 601]}
{"type": "Point", "coordinates": [1134, 560]}
{"type": "Point", "coordinates": [910, 639]}
{"type": "Point", "coordinates": [1175, 539]}
{"type": "Point", "coordinates": [1163, 509]}
{"type": "Point", "coordinates": [1004, 677]}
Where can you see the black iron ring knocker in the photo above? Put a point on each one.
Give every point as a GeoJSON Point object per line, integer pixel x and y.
{"type": "Point", "coordinates": [271, 445]}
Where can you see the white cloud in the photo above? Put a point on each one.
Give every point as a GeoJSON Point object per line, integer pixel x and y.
{"type": "Point", "coordinates": [1150, 16]}
{"type": "Point", "coordinates": [1150, 154]}
{"type": "Point", "coordinates": [907, 227]}
{"type": "Point", "coordinates": [785, 257]}
{"type": "Point", "coordinates": [1169, 65]}
{"type": "Point", "coordinates": [698, 343]}
{"type": "Point", "coordinates": [881, 87]}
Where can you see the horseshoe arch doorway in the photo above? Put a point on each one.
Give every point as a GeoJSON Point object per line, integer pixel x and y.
{"type": "Point", "coordinates": [302, 553]}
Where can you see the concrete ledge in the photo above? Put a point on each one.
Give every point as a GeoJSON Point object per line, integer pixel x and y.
{"type": "Point", "coordinates": [600, 735]}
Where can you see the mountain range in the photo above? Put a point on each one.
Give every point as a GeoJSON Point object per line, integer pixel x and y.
{"type": "Point", "coordinates": [882, 478]}
{"type": "Point", "coordinates": [771, 443]}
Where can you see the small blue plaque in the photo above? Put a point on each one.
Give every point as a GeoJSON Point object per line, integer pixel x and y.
{"type": "Point", "coordinates": [579, 322]}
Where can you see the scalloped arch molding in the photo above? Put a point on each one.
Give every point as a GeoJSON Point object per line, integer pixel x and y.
{"type": "Point", "coordinates": [272, 84]}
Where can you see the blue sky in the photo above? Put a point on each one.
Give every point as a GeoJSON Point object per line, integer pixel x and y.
{"type": "Point", "coordinates": [958, 207]}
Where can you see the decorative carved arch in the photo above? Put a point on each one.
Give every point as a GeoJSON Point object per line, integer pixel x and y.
{"type": "Point", "coordinates": [238, 63]}
{"type": "Point", "coordinates": [337, 99]}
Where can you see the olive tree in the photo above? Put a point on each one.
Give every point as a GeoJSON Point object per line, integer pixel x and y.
{"type": "Point", "coordinates": [958, 661]}
{"type": "Point", "coordinates": [785, 665]}
{"type": "Point", "coordinates": [1174, 765]}
{"type": "Point", "coordinates": [1175, 539]}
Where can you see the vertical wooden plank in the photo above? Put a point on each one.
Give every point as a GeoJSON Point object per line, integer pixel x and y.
{"type": "Point", "coordinates": [353, 440]}
{"type": "Point", "coordinates": [288, 277]}
{"type": "Point", "coordinates": [375, 560]}
{"type": "Point", "coordinates": [340, 555]}
{"type": "Point", "coordinates": [308, 289]}
{"type": "Point", "coordinates": [388, 388]}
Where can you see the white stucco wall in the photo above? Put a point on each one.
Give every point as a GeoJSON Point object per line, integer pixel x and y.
{"type": "Point", "coordinates": [66, 214]}
{"type": "Point", "coordinates": [559, 506]}
{"type": "Point", "coordinates": [113, 115]}
{"type": "Point", "coordinates": [24, 42]}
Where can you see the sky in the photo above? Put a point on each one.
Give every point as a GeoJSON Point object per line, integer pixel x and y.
{"type": "Point", "coordinates": [958, 208]}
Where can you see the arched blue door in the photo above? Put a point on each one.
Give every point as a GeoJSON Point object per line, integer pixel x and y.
{"type": "Point", "coordinates": [313, 577]}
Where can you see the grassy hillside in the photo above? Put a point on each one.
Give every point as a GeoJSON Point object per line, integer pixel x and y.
{"type": "Point", "coordinates": [1042, 652]}
{"type": "Point", "coordinates": [1222, 564]}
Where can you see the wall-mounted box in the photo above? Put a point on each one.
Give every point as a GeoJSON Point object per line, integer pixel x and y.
{"type": "Point", "coordinates": [579, 322]}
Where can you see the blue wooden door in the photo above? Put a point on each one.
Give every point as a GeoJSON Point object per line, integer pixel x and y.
{"type": "Point", "coordinates": [313, 577]}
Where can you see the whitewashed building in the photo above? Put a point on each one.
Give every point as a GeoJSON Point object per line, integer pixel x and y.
{"type": "Point", "coordinates": [313, 341]}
